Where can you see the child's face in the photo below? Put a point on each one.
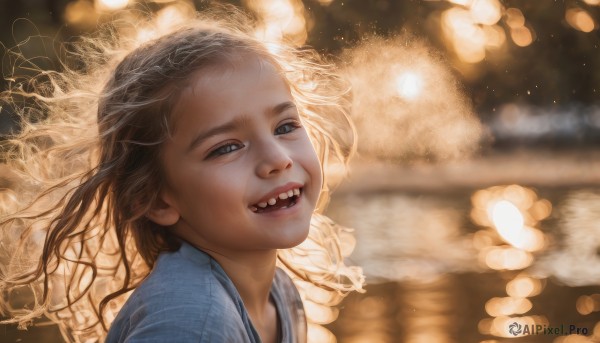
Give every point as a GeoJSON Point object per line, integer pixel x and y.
{"type": "Point", "coordinates": [238, 142]}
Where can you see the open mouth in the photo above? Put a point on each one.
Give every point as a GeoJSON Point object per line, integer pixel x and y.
{"type": "Point", "coordinates": [284, 200]}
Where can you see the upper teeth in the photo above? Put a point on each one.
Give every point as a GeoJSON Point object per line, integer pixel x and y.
{"type": "Point", "coordinates": [282, 196]}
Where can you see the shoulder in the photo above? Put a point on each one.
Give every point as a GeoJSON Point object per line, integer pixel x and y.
{"type": "Point", "coordinates": [182, 301]}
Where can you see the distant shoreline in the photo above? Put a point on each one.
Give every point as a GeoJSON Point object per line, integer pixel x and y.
{"type": "Point", "coordinates": [534, 168]}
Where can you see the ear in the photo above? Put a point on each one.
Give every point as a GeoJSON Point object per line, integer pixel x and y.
{"type": "Point", "coordinates": [162, 212]}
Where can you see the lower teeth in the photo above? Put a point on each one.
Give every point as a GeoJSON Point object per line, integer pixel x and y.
{"type": "Point", "coordinates": [268, 208]}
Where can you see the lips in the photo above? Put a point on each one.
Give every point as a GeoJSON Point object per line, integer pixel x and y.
{"type": "Point", "coordinates": [281, 197]}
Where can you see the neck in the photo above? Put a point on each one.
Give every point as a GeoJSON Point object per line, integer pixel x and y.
{"type": "Point", "coordinates": [252, 274]}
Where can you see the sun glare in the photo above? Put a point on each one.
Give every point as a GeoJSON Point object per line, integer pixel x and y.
{"type": "Point", "coordinates": [409, 85]}
{"type": "Point", "coordinates": [509, 222]}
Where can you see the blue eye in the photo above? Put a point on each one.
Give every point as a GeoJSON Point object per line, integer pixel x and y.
{"type": "Point", "coordinates": [287, 128]}
{"type": "Point", "coordinates": [225, 149]}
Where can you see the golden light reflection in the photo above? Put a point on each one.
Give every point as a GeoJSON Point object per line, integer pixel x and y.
{"type": "Point", "coordinates": [509, 222]}
{"type": "Point", "coordinates": [513, 211]}
{"type": "Point", "coordinates": [575, 339]}
{"type": "Point", "coordinates": [507, 306]}
{"type": "Point", "coordinates": [580, 19]}
{"type": "Point", "coordinates": [111, 5]}
{"type": "Point", "coordinates": [402, 238]}
{"type": "Point", "coordinates": [540, 210]}
{"type": "Point", "coordinates": [576, 260]}
{"type": "Point", "coordinates": [506, 217]}
{"type": "Point", "coordinates": [409, 85]}
{"type": "Point", "coordinates": [425, 304]}
{"type": "Point", "coordinates": [596, 332]}
{"type": "Point", "coordinates": [592, 2]}
{"type": "Point", "coordinates": [283, 19]}
{"type": "Point", "coordinates": [505, 258]}
{"type": "Point", "coordinates": [483, 239]}
{"type": "Point", "coordinates": [524, 286]}
{"type": "Point", "coordinates": [587, 304]}
{"type": "Point", "coordinates": [372, 307]}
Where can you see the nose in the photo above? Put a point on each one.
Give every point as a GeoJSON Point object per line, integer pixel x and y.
{"type": "Point", "coordinates": [273, 159]}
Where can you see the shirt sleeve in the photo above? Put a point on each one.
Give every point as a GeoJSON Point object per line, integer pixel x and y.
{"type": "Point", "coordinates": [183, 323]}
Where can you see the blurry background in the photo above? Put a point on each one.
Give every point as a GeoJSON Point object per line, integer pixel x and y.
{"type": "Point", "coordinates": [475, 196]}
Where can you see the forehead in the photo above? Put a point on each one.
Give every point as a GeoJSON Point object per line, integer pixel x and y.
{"type": "Point", "coordinates": [245, 84]}
{"type": "Point", "coordinates": [237, 70]}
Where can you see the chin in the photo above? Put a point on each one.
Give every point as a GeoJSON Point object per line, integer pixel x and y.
{"type": "Point", "coordinates": [294, 238]}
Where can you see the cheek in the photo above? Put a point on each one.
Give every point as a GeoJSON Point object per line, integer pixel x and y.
{"type": "Point", "coordinates": [207, 189]}
{"type": "Point", "coordinates": [221, 183]}
{"type": "Point", "coordinates": [313, 165]}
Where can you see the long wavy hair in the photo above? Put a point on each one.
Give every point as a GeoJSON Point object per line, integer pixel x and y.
{"type": "Point", "coordinates": [84, 169]}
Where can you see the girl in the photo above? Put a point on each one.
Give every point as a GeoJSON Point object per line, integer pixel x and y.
{"type": "Point", "coordinates": [185, 169]}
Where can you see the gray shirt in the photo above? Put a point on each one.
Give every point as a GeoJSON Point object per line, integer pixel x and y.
{"type": "Point", "coordinates": [188, 298]}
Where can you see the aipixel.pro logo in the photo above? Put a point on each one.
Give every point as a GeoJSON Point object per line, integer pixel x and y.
{"type": "Point", "coordinates": [517, 329]}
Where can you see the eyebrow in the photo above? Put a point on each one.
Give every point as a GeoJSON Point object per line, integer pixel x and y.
{"type": "Point", "coordinates": [234, 124]}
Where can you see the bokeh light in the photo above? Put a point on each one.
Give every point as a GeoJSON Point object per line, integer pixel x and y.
{"type": "Point", "coordinates": [282, 19]}
{"type": "Point", "coordinates": [522, 36]}
{"type": "Point", "coordinates": [580, 19]}
{"type": "Point", "coordinates": [587, 304]}
{"type": "Point", "coordinates": [81, 13]}
{"type": "Point", "coordinates": [514, 17]}
{"type": "Point", "coordinates": [487, 12]}
{"type": "Point", "coordinates": [505, 258]}
{"type": "Point", "coordinates": [112, 5]}
{"type": "Point", "coordinates": [473, 29]}
{"type": "Point", "coordinates": [507, 306]}
{"type": "Point", "coordinates": [468, 39]}
{"type": "Point", "coordinates": [523, 287]}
